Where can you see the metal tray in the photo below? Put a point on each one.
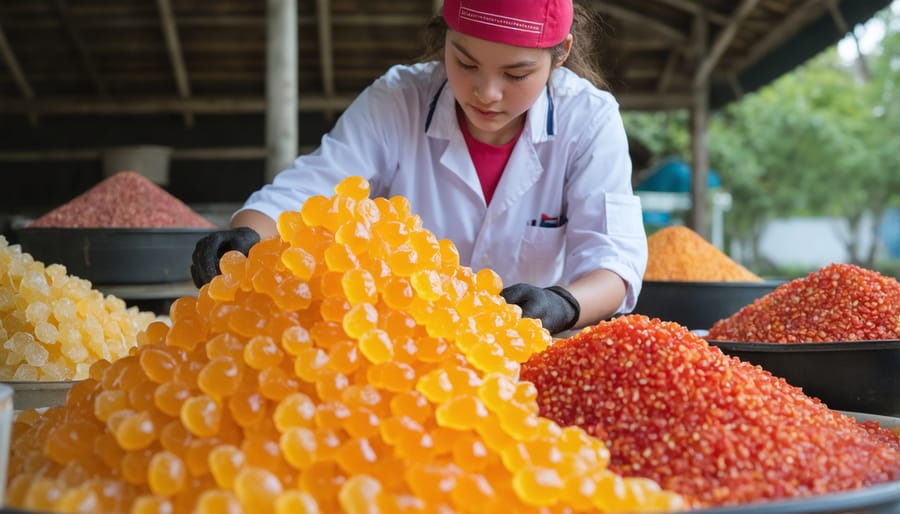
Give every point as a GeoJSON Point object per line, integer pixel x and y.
{"type": "Point", "coordinates": [858, 376]}
{"type": "Point", "coordinates": [877, 499]}
{"type": "Point", "coordinates": [698, 304]}
{"type": "Point", "coordinates": [116, 255]}
{"type": "Point", "coordinates": [38, 395]}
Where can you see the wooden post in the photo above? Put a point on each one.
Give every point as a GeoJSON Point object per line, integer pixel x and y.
{"type": "Point", "coordinates": [699, 220]}
{"type": "Point", "coordinates": [326, 51]}
{"type": "Point", "coordinates": [281, 85]}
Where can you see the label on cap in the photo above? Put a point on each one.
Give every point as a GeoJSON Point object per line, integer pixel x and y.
{"type": "Point", "coordinates": [496, 20]}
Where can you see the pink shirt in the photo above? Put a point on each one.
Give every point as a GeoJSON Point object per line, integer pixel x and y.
{"type": "Point", "coordinates": [489, 160]}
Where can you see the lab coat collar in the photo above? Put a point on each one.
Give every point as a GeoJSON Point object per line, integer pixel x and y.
{"type": "Point", "coordinates": [523, 170]}
{"type": "Point", "coordinates": [441, 117]}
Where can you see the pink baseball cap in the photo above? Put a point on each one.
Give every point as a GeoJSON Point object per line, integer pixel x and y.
{"type": "Point", "coordinates": [528, 23]}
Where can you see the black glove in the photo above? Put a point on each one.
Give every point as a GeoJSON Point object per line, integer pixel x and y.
{"type": "Point", "coordinates": [211, 248]}
{"type": "Point", "coordinates": [557, 309]}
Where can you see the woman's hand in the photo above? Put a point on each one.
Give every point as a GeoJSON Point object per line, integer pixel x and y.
{"type": "Point", "coordinates": [211, 248]}
{"type": "Point", "coordinates": [557, 309]}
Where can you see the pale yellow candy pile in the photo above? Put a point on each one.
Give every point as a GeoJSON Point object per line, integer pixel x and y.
{"type": "Point", "coordinates": [351, 365]}
{"type": "Point", "coordinates": [53, 326]}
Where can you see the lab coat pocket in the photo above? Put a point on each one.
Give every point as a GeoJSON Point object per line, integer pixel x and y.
{"type": "Point", "coordinates": [542, 255]}
{"type": "Point", "coordinates": [623, 215]}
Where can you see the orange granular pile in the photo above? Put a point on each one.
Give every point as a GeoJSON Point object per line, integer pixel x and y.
{"type": "Point", "coordinates": [839, 302]}
{"type": "Point", "coordinates": [680, 254]}
{"type": "Point", "coordinates": [124, 200]}
{"type": "Point", "coordinates": [678, 411]}
{"type": "Point", "coordinates": [351, 365]}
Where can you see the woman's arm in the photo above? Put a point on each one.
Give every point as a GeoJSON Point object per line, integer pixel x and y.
{"type": "Point", "coordinates": [605, 229]}
{"type": "Point", "coordinates": [599, 293]}
{"type": "Point", "coordinates": [261, 223]}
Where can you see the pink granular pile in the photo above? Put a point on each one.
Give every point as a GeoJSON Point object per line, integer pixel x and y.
{"type": "Point", "coordinates": [124, 200]}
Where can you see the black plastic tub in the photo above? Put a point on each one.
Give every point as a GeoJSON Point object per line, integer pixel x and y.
{"type": "Point", "coordinates": [116, 255]}
{"type": "Point", "coordinates": [698, 305]}
{"type": "Point", "coordinates": [859, 376]}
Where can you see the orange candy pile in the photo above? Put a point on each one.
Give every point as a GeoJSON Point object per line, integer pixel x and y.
{"type": "Point", "coordinates": [351, 365]}
{"type": "Point", "coordinates": [679, 254]}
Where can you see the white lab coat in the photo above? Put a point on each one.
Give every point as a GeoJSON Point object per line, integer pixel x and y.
{"type": "Point", "coordinates": [571, 160]}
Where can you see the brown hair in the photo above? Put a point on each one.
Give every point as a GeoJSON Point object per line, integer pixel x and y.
{"type": "Point", "coordinates": [586, 30]}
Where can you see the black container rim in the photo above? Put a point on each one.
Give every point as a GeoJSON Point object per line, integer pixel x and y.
{"type": "Point", "coordinates": [115, 230]}
{"type": "Point", "coordinates": [836, 346]}
{"type": "Point", "coordinates": [40, 384]}
{"type": "Point", "coordinates": [714, 284]}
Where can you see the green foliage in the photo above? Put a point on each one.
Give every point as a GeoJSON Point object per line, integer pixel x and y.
{"type": "Point", "coordinates": [889, 268]}
{"type": "Point", "coordinates": [664, 132]}
{"type": "Point", "coordinates": [785, 272]}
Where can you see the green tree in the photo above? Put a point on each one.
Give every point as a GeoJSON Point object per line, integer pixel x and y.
{"type": "Point", "coordinates": [783, 150]}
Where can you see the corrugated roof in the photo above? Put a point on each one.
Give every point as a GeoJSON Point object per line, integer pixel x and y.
{"type": "Point", "coordinates": [109, 56]}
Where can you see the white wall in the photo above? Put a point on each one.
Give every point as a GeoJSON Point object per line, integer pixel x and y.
{"type": "Point", "coordinates": [811, 242]}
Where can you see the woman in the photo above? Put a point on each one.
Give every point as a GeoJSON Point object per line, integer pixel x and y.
{"type": "Point", "coordinates": [520, 161]}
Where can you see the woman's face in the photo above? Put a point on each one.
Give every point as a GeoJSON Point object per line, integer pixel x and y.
{"type": "Point", "coordinates": [495, 84]}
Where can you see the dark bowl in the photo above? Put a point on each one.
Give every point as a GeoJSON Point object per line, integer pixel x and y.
{"type": "Point", "coordinates": [859, 376]}
{"type": "Point", "coordinates": [698, 305]}
{"type": "Point", "coordinates": [116, 255]}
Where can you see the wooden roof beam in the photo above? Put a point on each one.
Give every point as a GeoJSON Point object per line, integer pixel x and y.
{"type": "Point", "coordinates": [326, 51]}
{"type": "Point", "coordinates": [173, 45]}
{"type": "Point", "coordinates": [191, 21]}
{"type": "Point", "coordinates": [88, 154]}
{"type": "Point", "coordinates": [841, 23]}
{"type": "Point", "coordinates": [668, 71]}
{"type": "Point", "coordinates": [724, 39]}
{"type": "Point", "coordinates": [735, 85]}
{"type": "Point", "coordinates": [648, 44]}
{"type": "Point", "coordinates": [799, 17]}
{"type": "Point", "coordinates": [695, 8]}
{"type": "Point", "coordinates": [12, 63]}
{"type": "Point", "coordinates": [155, 105]}
{"type": "Point", "coordinates": [633, 16]}
{"type": "Point", "coordinates": [249, 105]}
{"type": "Point", "coordinates": [62, 12]}
{"type": "Point", "coordinates": [653, 102]}
{"type": "Point", "coordinates": [365, 20]}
